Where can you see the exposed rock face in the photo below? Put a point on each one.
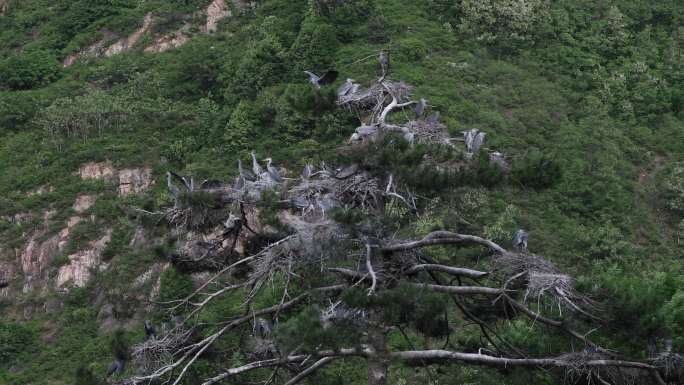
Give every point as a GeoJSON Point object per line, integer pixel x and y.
{"type": "Point", "coordinates": [167, 42]}
{"type": "Point", "coordinates": [129, 181]}
{"type": "Point", "coordinates": [35, 258]}
{"type": "Point", "coordinates": [135, 180]}
{"type": "Point", "coordinates": [216, 11]}
{"type": "Point", "coordinates": [98, 48]}
{"type": "Point", "coordinates": [78, 270]}
{"type": "Point", "coordinates": [101, 170]}
{"type": "Point", "coordinates": [83, 203]}
{"type": "Point", "coordinates": [126, 43]}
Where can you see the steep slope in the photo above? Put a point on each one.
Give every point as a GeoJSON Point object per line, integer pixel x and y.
{"type": "Point", "coordinates": [98, 99]}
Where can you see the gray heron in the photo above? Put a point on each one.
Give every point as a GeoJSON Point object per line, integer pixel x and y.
{"type": "Point", "coordinates": [245, 174]}
{"type": "Point", "coordinates": [116, 367]}
{"type": "Point", "coordinates": [520, 240]}
{"type": "Point", "coordinates": [256, 167]}
{"type": "Point", "coordinates": [173, 189]}
{"type": "Point", "coordinates": [307, 171]}
{"type": "Point", "coordinates": [328, 77]}
{"type": "Point", "coordinates": [239, 183]}
{"type": "Point", "coordinates": [420, 107]}
{"type": "Point", "coordinates": [346, 87]}
{"type": "Point", "coordinates": [433, 118]}
{"type": "Point", "coordinates": [272, 171]}
{"type": "Point", "coordinates": [384, 60]}
{"type": "Point", "coordinates": [150, 330]}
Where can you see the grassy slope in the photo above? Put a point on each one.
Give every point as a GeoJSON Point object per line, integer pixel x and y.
{"type": "Point", "coordinates": [599, 222]}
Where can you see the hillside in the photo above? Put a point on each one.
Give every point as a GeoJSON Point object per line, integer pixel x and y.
{"type": "Point", "coordinates": [101, 99]}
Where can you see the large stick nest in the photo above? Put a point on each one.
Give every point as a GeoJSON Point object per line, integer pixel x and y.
{"type": "Point", "coordinates": [545, 284]}
{"type": "Point", "coordinates": [579, 372]}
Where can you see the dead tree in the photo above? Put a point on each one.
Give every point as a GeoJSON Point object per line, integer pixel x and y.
{"type": "Point", "coordinates": [332, 256]}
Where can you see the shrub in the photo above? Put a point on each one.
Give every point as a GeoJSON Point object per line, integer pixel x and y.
{"type": "Point", "coordinates": [537, 170]}
{"type": "Point", "coordinates": [14, 340]}
{"type": "Point", "coordinates": [672, 187]}
{"type": "Point", "coordinates": [28, 70]}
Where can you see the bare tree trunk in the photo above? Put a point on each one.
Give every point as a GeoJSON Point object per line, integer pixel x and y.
{"type": "Point", "coordinates": [378, 361]}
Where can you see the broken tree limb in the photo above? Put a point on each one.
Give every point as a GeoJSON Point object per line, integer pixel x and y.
{"type": "Point", "coordinates": [444, 238]}
{"type": "Point", "coordinates": [459, 271]}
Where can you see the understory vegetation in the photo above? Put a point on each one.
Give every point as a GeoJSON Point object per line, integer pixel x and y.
{"type": "Point", "coordinates": [585, 99]}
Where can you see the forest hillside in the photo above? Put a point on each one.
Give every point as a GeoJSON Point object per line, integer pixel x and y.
{"type": "Point", "coordinates": [457, 189]}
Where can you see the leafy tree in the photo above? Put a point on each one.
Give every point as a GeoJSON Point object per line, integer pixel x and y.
{"type": "Point", "coordinates": [29, 70]}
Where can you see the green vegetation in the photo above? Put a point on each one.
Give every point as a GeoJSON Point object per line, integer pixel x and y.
{"type": "Point", "coordinates": [585, 98]}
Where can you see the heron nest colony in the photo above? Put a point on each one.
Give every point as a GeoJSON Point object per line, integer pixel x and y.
{"type": "Point", "coordinates": [221, 223]}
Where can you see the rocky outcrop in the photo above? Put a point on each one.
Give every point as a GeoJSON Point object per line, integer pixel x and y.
{"type": "Point", "coordinates": [216, 11]}
{"type": "Point", "coordinates": [83, 203]}
{"type": "Point", "coordinates": [128, 181]}
{"type": "Point", "coordinates": [78, 271]}
{"type": "Point", "coordinates": [134, 180]}
{"type": "Point", "coordinates": [101, 170]}
{"type": "Point", "coordinates": [37, 255]}
{"type": "Point", "coordinates": [167, 42]}
{"type": "Point", "coordinates": [98, 49]}
{"type": "Point", "coordinates": [126, 43]}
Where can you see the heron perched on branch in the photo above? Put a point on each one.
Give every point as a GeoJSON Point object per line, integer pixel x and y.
{"type": "Point", "coordinates": [117, 366]}
{"type": "Point", "coordinates": [347, 87]}
{"type": "Point", "coordinates": [384, 60]}
{"type": "Point", "coordinates": [187, 182]}
{"type": "Point", "coordinates": [150, 330]}
{"type": "Point", "coordinates": [256, 167]}
{"type": "Point", "coordinates": [420, 107]}
{"type": "Point", "coordinates": [307, 171]}
{"type": "Point", "coordinates": [473, 140]}
{"type": "Point", "coordinates": [520, 240]}
{"type": "Point", "coordinates": [272, 171]}
{"type": "Point", "coordinates": [328, 77]}
{"type": "Point", "coordinates": [245, 174]}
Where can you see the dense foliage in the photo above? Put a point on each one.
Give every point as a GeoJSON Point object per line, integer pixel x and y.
{"type": "Point", "coordinates": [586, 98]}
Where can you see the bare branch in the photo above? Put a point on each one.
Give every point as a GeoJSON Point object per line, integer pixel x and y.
{"type": "Point", "coordinates": [447, 269]}
{"type": "Point", "coordinates": [315, 366]}
{"type": "Point", "coordinates": [445, 238]}
{"type": "Point", "coordinates": [458, 289]}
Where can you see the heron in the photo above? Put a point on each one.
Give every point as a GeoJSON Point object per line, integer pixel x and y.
{"type": "Point", "coordinates": [346, 87]}
{"type": "Point", "coordinates": [346, 172]}
{"type": "Point", "coordinates": [499, 159]}
{"type": "Point", "coordinates": [365, 130]}
{"type": "Point", "coordinates": [232, 225]}
{"type": "Point", "coordinates": [173, 189]}
{"type": "Point", "coordinates": [307, 171]}
{"type": "Point", "coordinates": [478, 141]}
{"type": "Point", "coordinates": [328, 77]}
{"type": "Point", "coordinates": [245, 174]}
{"type": "Point", "coordinates": [116, 367]}
{"type": "Point", "coordinates": [256, 167]}
{"type": "Point", "coordinates": [188, 182]}
{"type": "Point", "coordinates": [150, 330]}
{"type": "Point", "coordinates": [384, 60]}
{"type": "Point", "coordinates": [409, 137]}
{"type": "Point", "coordinates": [433, 118]}
{"type": "Point", "coordinates": [239, 183]}
{"type": "Point", "coordinates": [262, 328]}
{"type": "Point", "coordinates": [272, 171]}
{"type": "Point", "coordinates": [420, 107]}
{"type": "Point", "coordinates": [473, 140]}
{"type": "Point", "coordinates": [326, 203]}
{"type": "Point", "coordinates": [520, 240]}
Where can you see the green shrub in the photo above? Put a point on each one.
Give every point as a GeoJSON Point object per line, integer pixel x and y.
{"type": "Point", "coordinates": [537, 170]}
{"type": "Point", "coordinates": [28, 70]}
{"type": "Point", "coordinates": [174, 285]}
{"type": "Point", "coordinates": [15, 339]}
